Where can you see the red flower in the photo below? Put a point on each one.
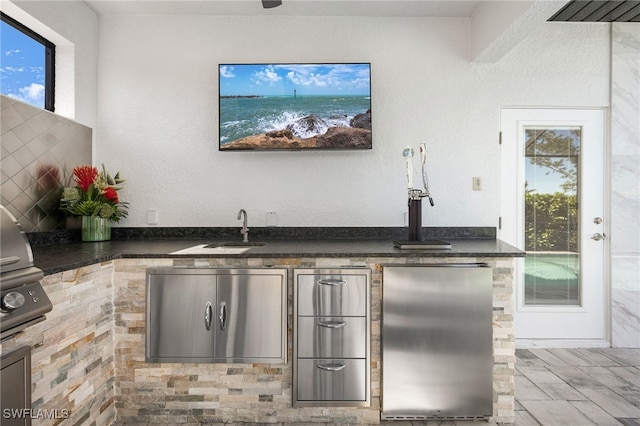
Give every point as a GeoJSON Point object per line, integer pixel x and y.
{"type": "Point", "coordinates": [111, 194]}
{"type": "Point", "coordinates": [84, 176]}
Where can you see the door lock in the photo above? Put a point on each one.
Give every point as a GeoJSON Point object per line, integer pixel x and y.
{"type": "Point", "coordinates": [597, 220]}
{"type": "Point", "coordinates": [598, 236]}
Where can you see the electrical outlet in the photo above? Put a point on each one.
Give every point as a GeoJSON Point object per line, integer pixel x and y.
{"type": "Point", "coordinates": [272, 219]}
{"type": "Point", "coordinates": [477, 184]}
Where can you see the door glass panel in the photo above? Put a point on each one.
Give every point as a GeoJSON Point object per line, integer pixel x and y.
{"type": "Point", "coordinates": [552, 188]}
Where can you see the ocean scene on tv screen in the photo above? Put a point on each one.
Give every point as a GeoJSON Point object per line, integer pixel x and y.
{"type": "Point", "coordinates": [295, 106]}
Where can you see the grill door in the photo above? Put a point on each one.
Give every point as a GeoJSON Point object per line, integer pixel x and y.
{"type": "Point", "coordinates": [15, 386]}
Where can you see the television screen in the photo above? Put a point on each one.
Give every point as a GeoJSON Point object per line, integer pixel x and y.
{"type": "Point", "coordinates": [294, 106]}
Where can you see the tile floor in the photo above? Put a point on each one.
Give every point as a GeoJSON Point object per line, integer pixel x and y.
{"type": "Point", "coordinates": [566, 387]}
{"type": "Point", "coordinates": [576, 387]}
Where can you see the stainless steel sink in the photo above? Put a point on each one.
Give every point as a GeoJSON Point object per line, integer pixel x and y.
{"type": "Point", "coordinates": [219, 248]}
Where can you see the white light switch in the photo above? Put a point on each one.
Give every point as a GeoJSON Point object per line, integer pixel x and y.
{"type": "Point", "coordinates": [152, 217]}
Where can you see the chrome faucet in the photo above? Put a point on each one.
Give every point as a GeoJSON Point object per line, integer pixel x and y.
{"type": "Point", "coordinates": [244, 231]}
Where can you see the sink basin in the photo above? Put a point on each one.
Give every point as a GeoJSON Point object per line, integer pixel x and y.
{"type": "Point", "coordinates": [239, 244]}
{"type": "Point", "coordinates": [213, 249]}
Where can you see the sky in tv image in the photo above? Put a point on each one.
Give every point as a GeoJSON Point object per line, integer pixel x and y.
{"type": "Point", "coordinates": [295, 106]}
{"type": "Point", "coordinates": [283, 79]}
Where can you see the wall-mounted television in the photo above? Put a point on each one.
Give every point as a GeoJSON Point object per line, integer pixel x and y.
{"type": "Point", "coordinates": [281, 106]}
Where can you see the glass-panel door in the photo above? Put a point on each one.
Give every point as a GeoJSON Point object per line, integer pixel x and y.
{"type": "Point", "coordinates": [552, 206]}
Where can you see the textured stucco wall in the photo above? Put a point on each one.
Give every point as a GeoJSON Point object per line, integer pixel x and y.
{"type": "Point", "coordinates": [158, 115]}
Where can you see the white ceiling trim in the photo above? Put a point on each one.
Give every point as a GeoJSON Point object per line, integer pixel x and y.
{"type": "Point", "coordinates": [379, 8]}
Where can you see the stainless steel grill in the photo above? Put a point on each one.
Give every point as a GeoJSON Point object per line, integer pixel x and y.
{"type": "Point", "coordinates": [23, 301]}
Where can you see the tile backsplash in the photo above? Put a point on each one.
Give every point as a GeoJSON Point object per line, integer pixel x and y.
{"type": "Point", "coordinates": [39, 151]}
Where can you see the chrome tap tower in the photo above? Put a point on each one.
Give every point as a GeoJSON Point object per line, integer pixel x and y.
{"type": "Point", "coordinates": [415, 204]}
{"type": "Point", "coordinates": [416, 195]}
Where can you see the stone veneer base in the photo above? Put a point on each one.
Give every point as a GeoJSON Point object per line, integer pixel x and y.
{"type": "Point", "coordinates": [72, 362]}
{"type": "Point", "coordinates": [261, 393]}
{"type": "Point", "coordinates": [88, 356]}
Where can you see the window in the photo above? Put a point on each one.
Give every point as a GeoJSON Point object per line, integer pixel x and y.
{"type": "Point", "coordinates": [27, 65]}
{"type": "Point", "coordinates": [552, 265]}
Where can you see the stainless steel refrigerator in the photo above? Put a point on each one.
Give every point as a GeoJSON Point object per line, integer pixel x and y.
{"type": "Point", "coordinates": [436, 341]}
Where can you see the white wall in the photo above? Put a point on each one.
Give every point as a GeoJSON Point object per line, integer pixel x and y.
{"type": "Point", "coordinates": [157, 115]}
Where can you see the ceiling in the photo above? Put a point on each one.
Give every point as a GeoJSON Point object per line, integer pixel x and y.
{"type": "Point", "coordinates": [382, 8]}
{"type": "Point", "coordinates": [599, 11]}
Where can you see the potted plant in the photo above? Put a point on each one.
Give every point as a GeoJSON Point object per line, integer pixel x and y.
{"type": "Point", "coordinates": [95, 199]}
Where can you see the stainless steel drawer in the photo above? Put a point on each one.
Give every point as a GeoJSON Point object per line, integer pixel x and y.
{"type": "Point", "coordinates": [332, 337]}
{"type": "Point", "coordinates": [331, 380]}
{"type": "Point", "coordinates": [332, 295]}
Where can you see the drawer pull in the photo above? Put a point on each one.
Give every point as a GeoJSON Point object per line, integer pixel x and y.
{"type": "Point", "coordinates": [331, 367]}
{"type": "Point", "coordinates": [332, 281]}
{"type": "Point", "coordinates": [332, 324]}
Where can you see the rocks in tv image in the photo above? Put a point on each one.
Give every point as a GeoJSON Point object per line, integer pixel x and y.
{"type": "Point", "coordinates": [295, 106]}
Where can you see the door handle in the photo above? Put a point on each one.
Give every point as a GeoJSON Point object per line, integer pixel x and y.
{"type": "Point", "coordinates": [331, 367]}
{"type": "Point", "coordinates": [223, 315]}
{"type": "Point", "coordinates": [598, 236]}
{"type": "Point", "coordinates": [208, 315]}
{"type": "Point", "coordinates": [332, 324]}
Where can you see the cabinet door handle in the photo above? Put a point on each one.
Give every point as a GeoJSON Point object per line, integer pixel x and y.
{"type": "Point", "coordinates": [332, 324]}
{"type": "Point", "coordinates": [332, 281]}
{"type": "Point", "coordinates": [223, 315]}
{"type": "Point", "coordinates": [208, 315]}
{"type": "Point", "coordinates": [331, 367]}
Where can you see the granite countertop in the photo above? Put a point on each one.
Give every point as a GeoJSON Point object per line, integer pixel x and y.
{"type": "Point", "coordinates": [56, 258]}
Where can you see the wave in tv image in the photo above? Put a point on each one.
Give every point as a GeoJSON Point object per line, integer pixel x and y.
{"type": "Point", "coordinates": [295, 106]}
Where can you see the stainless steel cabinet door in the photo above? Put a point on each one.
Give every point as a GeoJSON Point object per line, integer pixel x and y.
{"type": "Point", "coordinates": [332, 295]}
{"type": "Point", "coordinates": [180, 310]}
{"type": "Point", "coordinates": [249, 316]}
